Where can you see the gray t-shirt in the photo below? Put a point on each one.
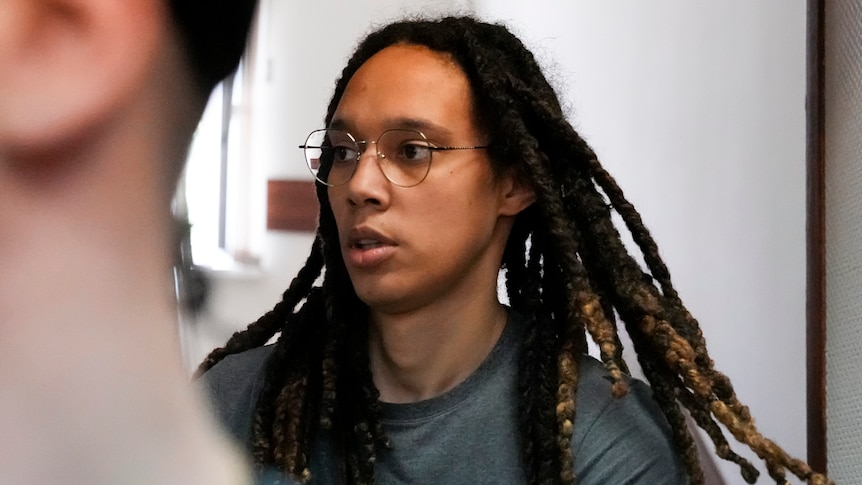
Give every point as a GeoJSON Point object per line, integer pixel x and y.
{"type": "Point", "coordinates": [469, 435]}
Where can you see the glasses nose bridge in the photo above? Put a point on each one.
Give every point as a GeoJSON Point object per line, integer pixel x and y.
{"type": "Point", "coordinates": [363, 146]}
{"type": "Point", "coordinates": [377, 156]}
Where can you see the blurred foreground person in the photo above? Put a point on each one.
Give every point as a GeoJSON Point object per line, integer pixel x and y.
{"type": "Point", "coordinates": [98, 102]}
{"type": "Point", "coordinates": [446, 158]}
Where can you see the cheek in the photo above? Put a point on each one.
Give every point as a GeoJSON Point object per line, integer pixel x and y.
{"type": "Point", "coordinates": [466, 214]}
{"type": "Point", "coordinates": [339, 211]}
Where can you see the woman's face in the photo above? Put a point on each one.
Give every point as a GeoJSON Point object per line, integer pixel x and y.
{"type": "Point", "coordinates": [441, 240]}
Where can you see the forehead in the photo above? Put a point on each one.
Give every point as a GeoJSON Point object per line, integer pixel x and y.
{"type": "Point", "coordinates": [406, 86]}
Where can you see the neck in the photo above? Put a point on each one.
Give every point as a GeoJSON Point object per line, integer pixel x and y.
{"type": "Point", "coordinates": [422, 354]}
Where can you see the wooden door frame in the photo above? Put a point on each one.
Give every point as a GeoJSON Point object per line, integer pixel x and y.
{"type": "Point", "coordinates": [816, 263]}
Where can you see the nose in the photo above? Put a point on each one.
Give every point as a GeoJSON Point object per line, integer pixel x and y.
{"type": "Point", "coordinates": [368, 185]}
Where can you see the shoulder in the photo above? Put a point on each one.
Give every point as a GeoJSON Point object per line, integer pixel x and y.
{"type": "Point", "coordinates": [232, 387]}
{"type": "Point", "coordinates": [596, 403]}
{"type": "Point", "coordinates": [237, 367]}
{"type": "Point", "coordinates": [621, 440]}
{"type": "Point", "coordinates": [595, 399]}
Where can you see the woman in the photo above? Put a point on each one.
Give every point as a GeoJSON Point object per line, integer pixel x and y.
{"type": "Point", "coordinates": [403, 366]}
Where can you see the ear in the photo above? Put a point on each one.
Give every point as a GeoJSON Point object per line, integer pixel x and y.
{"type": "Point", "coordinates": [516, 194]}
{"type": "Point", "coordinates": [69, 64]}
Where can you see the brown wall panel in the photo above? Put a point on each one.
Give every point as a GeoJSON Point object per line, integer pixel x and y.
{"type": "Point", "coordinates": [291, 205]}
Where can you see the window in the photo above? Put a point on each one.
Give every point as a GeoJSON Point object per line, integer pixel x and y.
{"type": "Point", "coordinates": [209, 181]}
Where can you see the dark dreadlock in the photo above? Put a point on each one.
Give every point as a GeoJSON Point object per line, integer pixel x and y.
{"type": "Point", "coordinates": [567, 271]}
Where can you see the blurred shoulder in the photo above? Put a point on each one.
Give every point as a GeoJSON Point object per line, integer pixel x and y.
{"type": "Point", "coordinates": [238, 366]}
{"type": "Point", "coordinates": [232, 387]}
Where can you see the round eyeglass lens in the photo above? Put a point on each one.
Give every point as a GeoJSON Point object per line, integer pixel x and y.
{"type": "Point", "coordinates": [404, 156]}
{"type": "Point", "coordinates": [331, 155]}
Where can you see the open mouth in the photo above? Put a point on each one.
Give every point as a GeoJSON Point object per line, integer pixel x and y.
{"type": "Point", "coordinates": [367, 244]}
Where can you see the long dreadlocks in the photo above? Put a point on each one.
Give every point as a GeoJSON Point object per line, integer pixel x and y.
{"type": "Point", "coordinates": [567, 271]}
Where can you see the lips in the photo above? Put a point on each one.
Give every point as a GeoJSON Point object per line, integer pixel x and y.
{"type": "Point", "coordinates": [362, 236]}
{"type": "Point", "coordinates": [366, 248]}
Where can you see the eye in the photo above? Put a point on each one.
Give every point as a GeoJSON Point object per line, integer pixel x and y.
{"type": "Point", "coordinates": [413, 151]}
{"type": "Point", "coordinates": [344, 153]}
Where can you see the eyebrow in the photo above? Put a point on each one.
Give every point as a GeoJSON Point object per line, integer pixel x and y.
{"type": "Point", "coordinates": [404, 123]}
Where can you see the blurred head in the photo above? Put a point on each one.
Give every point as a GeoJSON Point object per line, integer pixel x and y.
{"type": "Point", "coordinates": [214, 34]}
{"type": "Point", "coordinates": [72, 68]}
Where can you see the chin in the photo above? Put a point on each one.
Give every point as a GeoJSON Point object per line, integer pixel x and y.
{"type": "Point", "coordinates": [390, 304]}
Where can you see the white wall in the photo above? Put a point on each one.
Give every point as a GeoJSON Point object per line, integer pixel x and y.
{"type": "Point", "coordinates": [843, 110]}
{"type": "Point", "coordinates": [697, 109]}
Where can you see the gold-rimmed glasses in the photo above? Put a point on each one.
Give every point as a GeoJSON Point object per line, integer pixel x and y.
{"type": "Point", "coordinates": [404, 156]}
